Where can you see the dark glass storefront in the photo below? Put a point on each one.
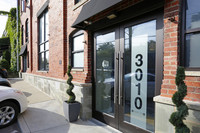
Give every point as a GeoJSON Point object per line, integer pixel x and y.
{"type": "Point", "coordinates": [126, 70]}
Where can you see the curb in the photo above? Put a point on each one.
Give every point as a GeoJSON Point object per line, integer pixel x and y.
{"type": "Point", "coordinates": [22, 124]}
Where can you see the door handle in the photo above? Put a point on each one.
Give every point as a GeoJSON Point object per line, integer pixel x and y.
{"type": "Point", "coordinates": [116, 98]}
{"type": "Point", "coordinates": [119, 99]}
{"type": "Point", "coordinates": [117, 56]}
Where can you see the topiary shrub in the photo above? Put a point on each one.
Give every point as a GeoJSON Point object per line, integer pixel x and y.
{"type": "Point", "coordinates": [72, 97]}
{"type": "Point", "coordinates": [4, 64]}
{"type": "Point", "coordinates": [182, 110]}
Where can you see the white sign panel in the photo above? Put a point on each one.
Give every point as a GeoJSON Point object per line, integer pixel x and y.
{"type": "Point", "coordinates": [139, 65]}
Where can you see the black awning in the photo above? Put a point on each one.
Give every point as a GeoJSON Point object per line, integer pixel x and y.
{"type": "Point", "coordinates": [92, 8]}
{"type": "Point", "coordinates": [23, 50]}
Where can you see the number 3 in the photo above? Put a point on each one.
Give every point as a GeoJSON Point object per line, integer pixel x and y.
{"type": "Point", "coordinates": [139, 57]}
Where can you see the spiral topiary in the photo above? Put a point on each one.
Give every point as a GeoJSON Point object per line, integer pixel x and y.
{"type": "Point", "coordinates": [72, 97]}
{"type": "Point", "coordinates": [182, 110]}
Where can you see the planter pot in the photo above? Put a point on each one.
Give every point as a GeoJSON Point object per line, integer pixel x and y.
{"type": "Point", "coordinates": [71, 110]}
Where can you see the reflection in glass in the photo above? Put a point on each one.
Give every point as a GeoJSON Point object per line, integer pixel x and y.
{"type": "Point", "coordinates": [47, 26]}
{"type": "Point", "coordinates": [47, 46]}
{"type": "Point", "coordinates": [41, 59]}
{"type": "Point", "coordinates": [192, 14]}
{"type": "Point", "coordinates": [139, 74]}
{"type": "Point", "coordinates": [78, 43]}
{"type": "Point", "coordinates": [78, 59]}
{"type": "Point", "coordinates": [41, 29]}
{"type": "Point", "coordinates": [105, 48]}
{"type": "Point", "coordinates": [41, 47]}
{"type": "Point", "coordinates": [47, 60]}
{"type": "Point", "coordinates": [192, 50]}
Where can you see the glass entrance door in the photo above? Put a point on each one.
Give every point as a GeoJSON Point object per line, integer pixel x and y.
{"type": "Point", "coordinates": [105, 75]}
{"type": "Point", "coordinates": [125, 76]}
{"type": "Point", "coordinates": [106, 79]}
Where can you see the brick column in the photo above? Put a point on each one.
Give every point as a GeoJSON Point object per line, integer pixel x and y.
{"type": "Point", "coordinates": [171, 46]}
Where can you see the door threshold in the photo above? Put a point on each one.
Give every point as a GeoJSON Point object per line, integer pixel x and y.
{"type": "Point", "coordinates": [105, 126]}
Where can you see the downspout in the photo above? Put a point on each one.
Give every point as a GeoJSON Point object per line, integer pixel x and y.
{"type": "Point", "coordinates": [31, 42]}
{"type": "Point", "coordinates": [64, 37]}
{"type": "Point", "coordinates": [17, 37]}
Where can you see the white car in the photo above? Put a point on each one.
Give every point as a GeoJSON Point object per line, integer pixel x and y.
{"type": "Point", "coordinates": [12, 102]}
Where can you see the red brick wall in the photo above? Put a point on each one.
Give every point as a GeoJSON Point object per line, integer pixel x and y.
{"type": "Point", "coordinates": [24, 16]}
{"type": "Point", "coordinates": [171, 54]}
{"type": "Point", "coordinates": [57, 38]}
{"type": "Point", "coordinates": [85, 75]}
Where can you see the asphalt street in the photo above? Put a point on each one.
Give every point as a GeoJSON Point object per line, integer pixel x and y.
{"type": "Point", "coordinates": [14, 128]}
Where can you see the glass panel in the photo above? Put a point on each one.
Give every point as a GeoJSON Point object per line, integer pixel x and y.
{"type": "Point", "coordinates": [110, 37]}
{"type": "Point", "coordinates": [139, 74]}
{"type": "Point", "coordinates": [47, 26]}
{"type": "Point", "coordinates": [78, 43]}
{"type": "Point", "coordinates": [78, 59]}
{"type": "Point", "coordinates": [41, 29]}
{"type": "Point", "coordinates": [192, 14]}
{"type": "Point", "coordinates": [105, 81]}
{"type": "Point", "coordinates": [192, 50]}
{"type": "Point", "coordinates": [47, 46]}
{"type": "Point", "coordinates": [26, 30]}
{"type": "Point", "coordinates": [47, 60]}
{"type": "Point", "coordinates": [41, 47]}
{"type": "Point", "coordinates": [41, 61]}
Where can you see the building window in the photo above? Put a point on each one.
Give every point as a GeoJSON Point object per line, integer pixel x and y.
{"type": "Point", "coordinates": [192, 33]}
{"type": "Point", "coordinates": [27, 59]}
{"type": "Point", "coordinates": [43, 41]}
{"type": "Point", "coordinates": [27, 1]}
{"type": "Point", "coordinates": [76, 1]}
{"type": "Point", "coordinates": [78, 50]}
{"type": "Point", "coordinates": [22, 35]}
{"type": "Point", "coordinates": [27, 31]}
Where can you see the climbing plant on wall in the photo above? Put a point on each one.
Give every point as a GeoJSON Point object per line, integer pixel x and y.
{"type": "Point", "coordinates": [11, 29]}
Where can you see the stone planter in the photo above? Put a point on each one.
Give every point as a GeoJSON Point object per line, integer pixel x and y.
{"type": "Point", "coordinates": [71, 110]}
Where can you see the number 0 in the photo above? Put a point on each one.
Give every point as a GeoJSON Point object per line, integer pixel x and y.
{"type": "Point", "coordinates": [138, 103]}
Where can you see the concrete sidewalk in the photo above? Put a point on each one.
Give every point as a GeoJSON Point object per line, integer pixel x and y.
{"type": "Point", "coordinates": [45, 115]}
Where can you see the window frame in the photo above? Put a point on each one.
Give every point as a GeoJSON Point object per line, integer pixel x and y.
{"type": "Point", "coordinates": [72, 52]}
{"type": "Point", "coordinates": [184, 32]}
{"type": "Point", "coordinates": [44, 68]}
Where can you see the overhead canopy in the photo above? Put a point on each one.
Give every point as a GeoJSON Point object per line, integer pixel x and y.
{"type": "Point", "coordinates": [23, 50]}
{"type": "Point", "coordinates": [92, 8]}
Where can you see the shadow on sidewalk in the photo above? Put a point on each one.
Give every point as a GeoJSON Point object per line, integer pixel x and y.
{"type": "Point", "coordinates": [14, 80]}
{"type": "Point", "coordinates": [37, 119]}
{"type": "Point", "coordinates": [27, 94]}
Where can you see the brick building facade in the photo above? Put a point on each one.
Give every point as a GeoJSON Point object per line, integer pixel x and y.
{"type": "Point", "coordinates": [100, 39]}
